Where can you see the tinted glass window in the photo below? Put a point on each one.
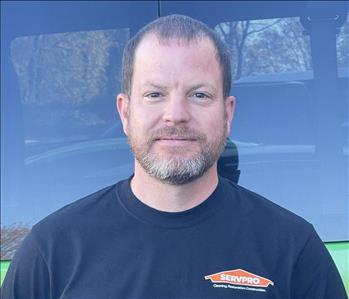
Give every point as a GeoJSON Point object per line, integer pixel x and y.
{"type": "Point", "coordinates": [292, 148]}
{"type": "Point", "coordinates": [61, 136]}
{"type": "Point", "coordinates": [73, 143]}
{"type": "Point", "coordinates": [67, 84]}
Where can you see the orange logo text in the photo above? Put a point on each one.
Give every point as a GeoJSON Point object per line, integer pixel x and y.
{"type": "Point", "coordinates": [239, 277]}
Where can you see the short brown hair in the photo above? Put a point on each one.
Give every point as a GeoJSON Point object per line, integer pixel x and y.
{"type": "Point", "coordinates": [180, 27]}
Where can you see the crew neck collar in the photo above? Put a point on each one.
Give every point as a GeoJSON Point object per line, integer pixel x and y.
{"type": "Point", "coordinates": [147, 214]}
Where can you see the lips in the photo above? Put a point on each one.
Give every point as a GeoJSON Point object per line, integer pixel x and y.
{"type": "Point", "coordinates": [174, 141]}
{"type": "Point", "coordinates": [176, 138]}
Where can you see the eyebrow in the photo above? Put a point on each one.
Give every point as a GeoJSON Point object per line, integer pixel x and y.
{"type": "Point", "coordinates": [196, 86]}
{"type": "Point", "coordinates": [150, 84]}
{"type": "Point", "coordinates": [202, 85]}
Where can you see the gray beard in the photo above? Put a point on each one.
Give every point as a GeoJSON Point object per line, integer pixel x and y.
{"type": "Point", "coordinates": [179, 170]}
{"type": "Point", "coordinates": [176, 171]}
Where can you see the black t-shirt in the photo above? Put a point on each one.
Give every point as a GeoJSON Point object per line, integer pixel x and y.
{"type": "Point", "coordinates": [235, 244]}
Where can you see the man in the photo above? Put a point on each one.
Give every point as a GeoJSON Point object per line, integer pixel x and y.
{"type": "Point", "coordinates": [174, 229]}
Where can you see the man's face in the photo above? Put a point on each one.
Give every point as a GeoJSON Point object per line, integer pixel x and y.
{"type": "Point", "coordinates": [176, 118]}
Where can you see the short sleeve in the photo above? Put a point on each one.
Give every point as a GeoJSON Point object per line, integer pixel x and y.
{"type": "Point", "coordinates": [28, 275]}
{"type": "Point", "coordinates": [315, 275]}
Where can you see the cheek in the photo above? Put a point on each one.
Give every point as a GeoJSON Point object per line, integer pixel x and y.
{"type": "Point", "coordinates": [216, 121]}
{"type": "Point", "coordinates": [138, 125]}
{"type": "Point", "coordinates": [144, 119]}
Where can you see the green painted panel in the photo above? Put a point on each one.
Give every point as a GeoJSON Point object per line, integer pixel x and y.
{"type": "Point", "coordinates": [340, 254]}
{"type": "Point", "coordinates": [4, 267]}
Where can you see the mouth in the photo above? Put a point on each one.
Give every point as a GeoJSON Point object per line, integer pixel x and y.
{"type": "Point", "coordinates": [175, 140]}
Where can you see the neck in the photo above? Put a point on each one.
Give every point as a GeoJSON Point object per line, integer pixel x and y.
{"type": "Point", "coordinates": [173, 198]}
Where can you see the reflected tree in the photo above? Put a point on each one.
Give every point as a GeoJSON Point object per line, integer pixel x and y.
{"type": "Point", "coordinates": [273, 46]}
{"type": "Point", "coordinates": [64, 77]}
{"type": "Point", "coordinates": [11, 238]}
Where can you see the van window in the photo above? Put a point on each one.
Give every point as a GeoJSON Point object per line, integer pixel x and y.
{"type": "Point", "coordinates": [72, 142]}
{"type": "Point", "coordinates": [278, 122]}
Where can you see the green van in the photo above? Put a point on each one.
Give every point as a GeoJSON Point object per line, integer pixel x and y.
{"type": "Point", "coordinates": [61, 138]}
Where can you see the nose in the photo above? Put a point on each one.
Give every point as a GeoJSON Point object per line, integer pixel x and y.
{"type": "Point", "coordinates": [176, 110]}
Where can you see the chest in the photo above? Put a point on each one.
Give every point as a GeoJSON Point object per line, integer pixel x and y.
{"type": "Point", "coordinates": [174, 264]}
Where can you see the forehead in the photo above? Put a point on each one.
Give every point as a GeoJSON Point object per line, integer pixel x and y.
{"type": "Point", "coordinates": [158, 54]}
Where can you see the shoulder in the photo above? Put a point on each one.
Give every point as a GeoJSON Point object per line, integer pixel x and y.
{"type": "Point", "coordinates": [287, 243]}
{"type": "Point", "coordinates": [264, 215]}
{"type": "Point", "coordinates": [84, 212]}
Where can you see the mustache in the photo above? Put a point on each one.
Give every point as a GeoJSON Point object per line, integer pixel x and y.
{"type": "Point", "coordinates": [177, 131]}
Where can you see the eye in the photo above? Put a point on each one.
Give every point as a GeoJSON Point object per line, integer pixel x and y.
{"type": "Point", "coordinates": [153, 95]}
{"type": "Point", "coordinates": [201, 96]}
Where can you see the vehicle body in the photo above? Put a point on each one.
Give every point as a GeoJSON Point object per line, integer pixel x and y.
{"type": "Point", "coordinates": [60, 134]}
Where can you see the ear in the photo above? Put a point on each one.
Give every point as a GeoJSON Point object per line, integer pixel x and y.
{"type": "Point", "coordinates": [122, 104]}
{"type": "Point", "coordinates": [230, 109]}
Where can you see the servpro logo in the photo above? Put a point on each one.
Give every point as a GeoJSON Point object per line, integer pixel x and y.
{"type": "Point", "coordinates": [239, 277]}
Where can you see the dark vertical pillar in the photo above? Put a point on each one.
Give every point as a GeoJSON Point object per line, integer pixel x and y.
{"type": "Point", "coordinates": [332, 113]}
